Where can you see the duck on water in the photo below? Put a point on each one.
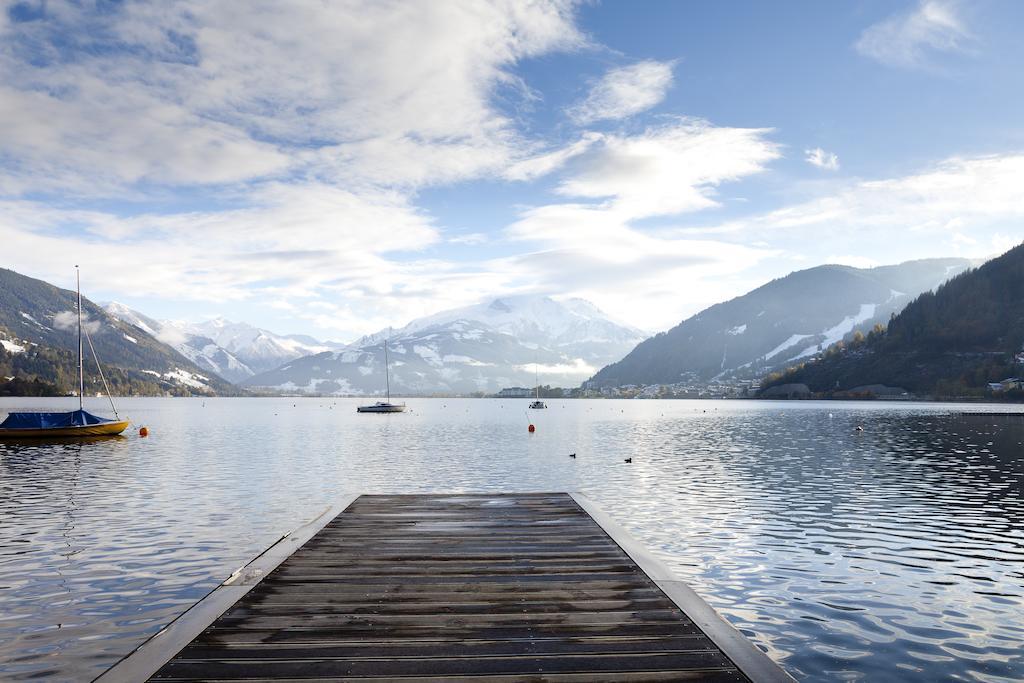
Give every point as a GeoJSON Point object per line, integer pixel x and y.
{"type": "Point", "coordinates": [71, 424]}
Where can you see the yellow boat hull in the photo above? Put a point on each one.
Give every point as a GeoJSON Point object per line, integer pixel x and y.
{"type": "Point", "coordinates": [102, 429]}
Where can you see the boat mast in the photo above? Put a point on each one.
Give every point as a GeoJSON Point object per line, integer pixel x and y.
{"type": "Point", "coordinates": [81, 369]}
{"type": "Point", "coordinates": [536, 378]}
{"type": "Point", "coordinates": [387, 371]}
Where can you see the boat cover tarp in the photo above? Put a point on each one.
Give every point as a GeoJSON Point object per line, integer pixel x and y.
{"type": "Point", "coordinates": [75, 418]}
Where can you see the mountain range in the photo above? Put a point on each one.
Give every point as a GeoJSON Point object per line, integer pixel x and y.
{"type": "Point", "coordinates": [950, 342]}
{"type": "Point", "coordinates": [234, 351]}
{"type": "Point", "coordinates": [39, 341]}
{"type": "Point", "coordinates": [508, 341]}
{"type": "Point", "coordinates": [478, 349]}
{"type": "Point", "coordinates": [789, 318]}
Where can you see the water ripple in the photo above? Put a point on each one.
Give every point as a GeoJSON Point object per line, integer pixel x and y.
{"type": "Point", "coordinates": [895, 553]}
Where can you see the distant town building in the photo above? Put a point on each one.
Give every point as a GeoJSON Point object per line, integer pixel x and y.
{"type": "Point", "coordinates": [515, 392]}
{"type": "Point", "coordinates": [1008, 384]}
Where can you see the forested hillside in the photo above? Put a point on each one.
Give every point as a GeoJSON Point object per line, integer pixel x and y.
{"type": "Point", "coordinates": [39, 340]}
{"type": "Point", "coordinates": [950, 342]}
{"type": "Point", "coordinates": [789, 318]}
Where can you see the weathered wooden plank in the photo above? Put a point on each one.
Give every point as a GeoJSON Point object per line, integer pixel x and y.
{"type": "Point", "coordinates": [364, 633]}
{"type": "Point", "coordinates": [589, 677]}
{"type": "Point", "coordinates": [455, 666]}
{"type": "Point", "coordinates": [597, 589]}
{"type": "Point", "coordinates": [441, 607]}
{"type": "Point", "coordinates": [441, 648]}
{"type": "Point", "coordinates": [456, 566]}
{"type": "Point", "coordinates": [460, 587]}
{"type": "Point", "coordinates": [442, 621]}
{"type": "Point", "coordinates": [413, 580]}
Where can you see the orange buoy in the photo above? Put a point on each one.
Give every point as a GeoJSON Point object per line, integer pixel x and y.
{"type": "Point", "coordinates": [143, 432]}
{"type": "Point", "coordinates": [532, 429]}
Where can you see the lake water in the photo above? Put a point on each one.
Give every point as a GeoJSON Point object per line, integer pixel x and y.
{"type": "Point", "coordinates": [892, 553]}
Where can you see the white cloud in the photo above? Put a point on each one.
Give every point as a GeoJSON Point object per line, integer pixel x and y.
{"type": "Point", "coordinates": [967, 206]}
{"type": "Point", "coordinates": [297, 238]}
{"type": "Point", "coordinates": [959, 206]}
{"type": "Point", "coordinates": [470, 239]}
{"type": "Point", "coordinates": [851, 260]}
{"type": "Point", "coordinates": [282, 106]}
{"type": "Point", "coordinates": [200, 93]}
{"type": "Point", "coordinates": [68, 321]}
{"type": "Point", "coordinates": [625, 91]}
{"type": "Point", "coordinates": [578, 366]}
{"type": "Point", "coordinates": [543, 164]}
{"type": "Point", "coordinates": [822, 159]}
{"type": "Point", "coordinates": [1001, 243]}
{"type": "Point", "coordinates": [909, 40]}
{"type": "Point", "coordinates": [595, 249]}
{"type": "Point", "coordinates": [314, 123]}
{"type": "Point", "coordinates": [667, 170]}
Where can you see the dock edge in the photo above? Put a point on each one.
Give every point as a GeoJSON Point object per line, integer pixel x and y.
{"type": "Point", "coordinates": [747, 657]}
{"type": "Point", "coordinates": [145, 660]}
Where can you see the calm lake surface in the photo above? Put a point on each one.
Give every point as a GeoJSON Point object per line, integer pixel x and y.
{"type": "Point", "coordinates": [892, 553]}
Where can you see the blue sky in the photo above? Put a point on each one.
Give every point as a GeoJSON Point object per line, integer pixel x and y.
{"type": "Point", "coordinates": [335, 169]}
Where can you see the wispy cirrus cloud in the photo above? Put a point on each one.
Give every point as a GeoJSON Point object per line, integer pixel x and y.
{"type": "Point", "coordinates": [301, 131]}
{"type": "Point", "coordinates": [301, 237]}
{"type": "Point", "coordinates": [959, 205]}
{"type": "Point", "coordinates": [911, 39]}
{"type": "Point", "coordinates": [197, 93]}
{"type": "Point", "coordinates": [667, 169]}
{"type": "Point", "coordinates": [828, 161]}
{"type": "Point", "coordinates": [625, 91]}
{"type": "Point", "coordinates": [593, 246]}
{"type": "Point", "coordinates": [283, 158]}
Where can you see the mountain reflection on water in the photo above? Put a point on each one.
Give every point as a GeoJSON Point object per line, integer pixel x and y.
{"type": "Point", "coordinates": [892, 553]}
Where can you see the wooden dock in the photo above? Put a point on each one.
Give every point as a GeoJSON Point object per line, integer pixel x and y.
{"type": "Point", "coordinates": [498, 588]}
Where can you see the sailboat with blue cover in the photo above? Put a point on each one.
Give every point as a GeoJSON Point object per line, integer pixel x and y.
{"type": "Point", "coordinates": [71, 424]}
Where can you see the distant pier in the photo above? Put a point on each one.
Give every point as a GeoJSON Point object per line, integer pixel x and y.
{"type": "Point", "coordinates": [414, 588]}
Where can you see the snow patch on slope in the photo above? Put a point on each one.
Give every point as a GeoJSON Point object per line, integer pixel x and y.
{"type": "Point", "coordinates": [12, 347]}
{"type": "Point", "coordinates": [793, 340]}
{"type": "Point", "coordinates": [187, 378]}
{"type": "Point", "coordinates": [836, 333]}
{"type": "Point", "coordinates": [28, 317]}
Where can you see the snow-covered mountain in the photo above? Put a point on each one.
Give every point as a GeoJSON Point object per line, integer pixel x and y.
{"type": "Point", "coordinates": [39, 341]}
{"type": "Point", "coordinates": [787, 320]}
{"type": "Point", "coordinates": [201, 350]}
{"type": "Point", "coordinates": [482, 348]}
{"type": "Point", "coordinates": [259, 349]}
{"type": "Point", "coordinates": [234, 351]}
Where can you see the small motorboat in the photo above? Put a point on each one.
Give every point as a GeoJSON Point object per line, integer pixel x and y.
{"type": "Point", "coordinates": [538, 404]}
{"type": "Point", "coordinates": [385, 406]}
{"type": "Point", "coordinates": [71, 424]}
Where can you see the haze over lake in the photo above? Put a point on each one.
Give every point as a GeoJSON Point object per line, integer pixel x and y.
{"type": "Point", "coordinates": [893, 552]}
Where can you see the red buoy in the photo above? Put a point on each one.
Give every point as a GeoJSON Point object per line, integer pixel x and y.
{"type": "Point", "coordinates": [532, 429]}
{"type": "Point", "coordinates": [143, 432]}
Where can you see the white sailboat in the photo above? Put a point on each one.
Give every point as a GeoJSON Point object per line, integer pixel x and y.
{"type": "Point", "coordinates": [537, 404]}
{"type": "Point", "coordinates": [385, 406]}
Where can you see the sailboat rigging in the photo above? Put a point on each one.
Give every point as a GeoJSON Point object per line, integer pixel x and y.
{"type": "Point", "coordinates": [537, 404]}
{"type": "Point", "coordinates": [385, 406]}
{"type": "Point", "coordinates": [75, 423]}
